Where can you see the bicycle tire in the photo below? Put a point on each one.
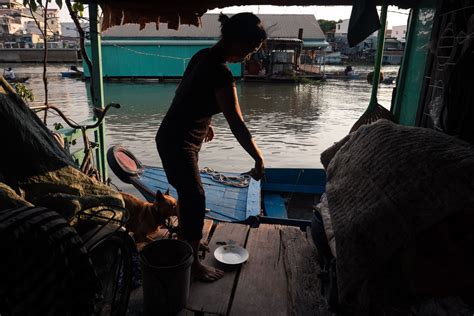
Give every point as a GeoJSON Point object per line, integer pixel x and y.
{"type": "Point", "coordinates": [111, 255]}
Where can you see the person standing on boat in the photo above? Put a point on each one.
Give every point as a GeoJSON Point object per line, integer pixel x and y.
{"type": "Point", "coordinates": [9, 74]}
{"type": "Point", "coordinates": [207, 88]}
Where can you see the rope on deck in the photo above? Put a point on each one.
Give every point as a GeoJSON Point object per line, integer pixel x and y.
{"type": "Point", "coordinates": [241, 181]}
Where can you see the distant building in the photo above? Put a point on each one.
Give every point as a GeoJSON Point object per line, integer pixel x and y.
{"type": "Point", "coordinates": [342, 28]}
{"type": "Point", "coordinates": [341, 43]}
{"type": "Point", "coordinates": [392, 57]}
{"type": "Point", "coordinates": [18, 28]}
{"type": "Point", "coordinates": [399, 32]}
{"type": "Point", "coordinates": [53, 20]}
{"type": "Point", "coordinates": [10, 24]}
{"type": "Point", "coordinates": [16, 10]}
{"type": "Point", "coordinates": [70, 35]}
{"type": "Point", "coordinates": [31, 39]}
{"type": "Point", "coordinates": [68, 29]}
{"type": "Point", "coordinates": [330, 35]}
{"type": "Point", "coordinates": [11, 4]}
{"type": "Point", "coordinates": [392, 44]}
{"type": "Point", "coordinates": [32, 28]}
{"type": "Point", "coordinates": [129, 52]}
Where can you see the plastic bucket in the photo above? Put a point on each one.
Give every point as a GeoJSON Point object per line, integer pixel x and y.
{"type": "Point", "coordinates": [166, 271]}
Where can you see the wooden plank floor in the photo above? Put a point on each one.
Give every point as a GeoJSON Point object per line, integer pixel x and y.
{"type": "Point", "coordinates": [279, 278]}
{"type": "Point", "coordinates": [214, 298]}
{"type": "Point", "coordinates": [261, 288]}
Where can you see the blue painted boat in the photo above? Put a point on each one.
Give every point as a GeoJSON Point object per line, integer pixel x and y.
{"type": "Point", "coordinates": [71, 74]}
{"type": "Point", "coordinates": [291, 192]}
{"type": "Point", "coordinates": [283, 193]}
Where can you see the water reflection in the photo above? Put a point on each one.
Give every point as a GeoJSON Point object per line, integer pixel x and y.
{"type": "Point", "coordinates": [291, 123]}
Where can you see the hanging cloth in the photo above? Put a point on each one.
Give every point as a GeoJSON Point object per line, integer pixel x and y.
{"type": "Point", "coordinates": [364, 21]}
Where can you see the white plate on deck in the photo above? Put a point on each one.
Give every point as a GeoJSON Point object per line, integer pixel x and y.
{"type": "Point", "coordinates": [231, 254]}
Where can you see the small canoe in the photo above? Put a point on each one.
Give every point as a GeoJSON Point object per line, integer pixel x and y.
{"type": "Point", "coordinates": [341, 75]}
{"type": "Point", "coordinates": [388, 80]}
{"type": "Point", "coordinates": [18, 80]}
{"type": "Point", "coordinates": [283, 193]}
{"type": "Point", "coordinates": [71, 74]}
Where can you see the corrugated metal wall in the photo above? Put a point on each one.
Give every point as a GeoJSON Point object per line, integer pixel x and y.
{"type": "Point", "coordinates": [122, 59]}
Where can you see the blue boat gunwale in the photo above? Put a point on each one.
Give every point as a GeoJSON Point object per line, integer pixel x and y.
{"type": "Point", "coordinates": [294, 180]}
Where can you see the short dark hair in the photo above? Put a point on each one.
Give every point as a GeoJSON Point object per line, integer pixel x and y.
{"type": "Point", "coordinates": [244, 27]}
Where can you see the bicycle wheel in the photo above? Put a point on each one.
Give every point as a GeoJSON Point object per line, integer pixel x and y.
{"type": "Point", "coordinates": [111, 256]}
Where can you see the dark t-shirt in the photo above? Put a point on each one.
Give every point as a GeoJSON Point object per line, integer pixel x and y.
{"type": "Point", "coordinates": [187, 121]}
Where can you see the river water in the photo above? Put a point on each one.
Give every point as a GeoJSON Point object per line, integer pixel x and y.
{"type": "Point", "coordinates": [292, 123]}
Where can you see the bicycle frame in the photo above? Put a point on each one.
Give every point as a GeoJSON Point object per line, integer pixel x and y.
{"type": "Point", "coordinates": [86, 165]}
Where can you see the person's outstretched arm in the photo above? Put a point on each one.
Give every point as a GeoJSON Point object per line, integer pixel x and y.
{"type": "Point", "coordinates": [229, 104]}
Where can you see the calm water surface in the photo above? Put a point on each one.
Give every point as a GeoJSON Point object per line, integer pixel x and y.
{"type": "Point", "coordinates": [292, 123]}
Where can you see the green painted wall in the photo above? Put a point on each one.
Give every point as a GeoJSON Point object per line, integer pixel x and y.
{"type": "Point", "coordinates": [125, 60]}
{"type": "Point", "coordinates": [414, 62]}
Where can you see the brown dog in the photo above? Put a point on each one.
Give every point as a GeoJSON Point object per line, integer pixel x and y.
{"type": "Point", "coordinates": [145, 217]}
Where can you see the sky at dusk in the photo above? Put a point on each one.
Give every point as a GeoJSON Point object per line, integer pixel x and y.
{"type": "Point", "coordinates": [395, 16]}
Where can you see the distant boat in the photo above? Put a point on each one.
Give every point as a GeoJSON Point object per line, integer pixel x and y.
{"type": "Point", "coordinates": [73, 73]}
{"type": "Point", "coordinates": [18, 80]}
{"type": "Point", "coordinates": [342, 75]}
{"type": "Point", "coordinates": [388, 80]}
{"type": "Point", "coordinates": [296, 78]}
{"type": "Point", "coordinates": [283, 193]}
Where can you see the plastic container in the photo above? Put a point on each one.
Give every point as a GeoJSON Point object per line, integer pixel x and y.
{"type": "Point", "coordinates": [166, 271]}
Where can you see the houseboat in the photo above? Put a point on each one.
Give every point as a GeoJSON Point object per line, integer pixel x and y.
{"type": "Point", "coordinates": [161, 53]}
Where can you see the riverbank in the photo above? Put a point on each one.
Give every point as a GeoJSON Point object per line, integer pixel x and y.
{"type": "Point", "coordinates": [35, 55]}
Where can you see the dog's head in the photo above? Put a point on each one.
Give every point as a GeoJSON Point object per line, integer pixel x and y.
{"type": "Point", "coordinates": [165, 204]}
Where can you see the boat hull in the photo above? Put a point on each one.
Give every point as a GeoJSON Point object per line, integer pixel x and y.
{"type": "Point", "coordinates": [71, 74]}
{"type": "Point", "coordinates": [224, 202]}
{"type": "Point", "coordinates": [18, 80]}
{"type": "Point", "coordinates": [283, 193]}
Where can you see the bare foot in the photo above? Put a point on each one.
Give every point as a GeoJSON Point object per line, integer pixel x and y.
{"type": "Point", "coordinates": [205, 273]}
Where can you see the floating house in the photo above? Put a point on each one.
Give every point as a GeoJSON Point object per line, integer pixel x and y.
{"type": "Point", "coordinates": [129, 52]}
{"type": "Point", "coordinates": [392, 57]}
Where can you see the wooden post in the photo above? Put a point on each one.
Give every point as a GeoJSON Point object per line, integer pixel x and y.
{"type": "Point", "coordinates": [300, 34]}
{"type": "Point", "coordinates": [298, 50]}
{"type": "Point", "coordinates": [98, 88]}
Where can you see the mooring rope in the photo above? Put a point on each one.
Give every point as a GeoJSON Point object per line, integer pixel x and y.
{"type": "Point", "coordinates": [241, 181]}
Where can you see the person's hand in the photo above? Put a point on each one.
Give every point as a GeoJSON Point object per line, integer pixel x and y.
{"type": "Point", "coordinates": [259, 170]}
{"type": "Point", "coordinates": [210, 134]}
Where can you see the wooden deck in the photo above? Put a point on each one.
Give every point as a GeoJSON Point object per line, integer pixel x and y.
{"type": "Point", "coordinates": [279, 278]}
